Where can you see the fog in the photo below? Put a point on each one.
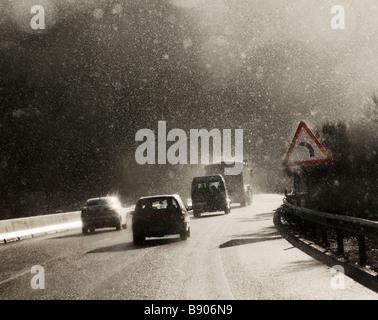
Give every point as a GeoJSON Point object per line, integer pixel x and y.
{"type": "Point", "coordinates": [102, 70]}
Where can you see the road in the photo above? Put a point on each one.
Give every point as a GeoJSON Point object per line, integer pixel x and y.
{"type": "Point", "coordinates": [240, 256]}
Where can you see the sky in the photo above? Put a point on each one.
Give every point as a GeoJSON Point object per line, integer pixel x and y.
{"type": "Point", "coordinates": [115, 67]}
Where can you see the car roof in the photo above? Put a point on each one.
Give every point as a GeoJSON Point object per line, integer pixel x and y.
{"type": "Point", "coordinates": [208, 177]}
{"type": "Point", "coordinates": [102, 198]}
{"type": "Point", "coordinates": [231, 162]}
{"type": "Point", "coordinates": [176, 196]}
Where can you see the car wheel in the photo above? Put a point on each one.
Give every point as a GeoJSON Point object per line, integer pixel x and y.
{"type": "Point", "coordinates": [139, 239]}
{"type": "Point", "coordinates": [196, 213]}
{"type": "Point", "coordinates": [85, 230]}
{"type": "Point", "coordinates": [248, 200]}
{"type": "Point", "coordinates": [184, 235]}
{"type": "Point", "coordinates": [119, 224]}
{"type": "Point", "coordinates": [92, 229]}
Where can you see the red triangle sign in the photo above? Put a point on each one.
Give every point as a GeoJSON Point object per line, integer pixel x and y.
{"type": "Point", "coordinates": [308, 150]}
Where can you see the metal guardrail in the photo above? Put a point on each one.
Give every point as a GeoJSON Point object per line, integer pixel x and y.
{"type": "Point", "coordinates": [361, 228]}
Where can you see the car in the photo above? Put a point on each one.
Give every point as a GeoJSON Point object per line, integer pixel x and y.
{"type": "Point", "coordinates": [209, 194]}
{"type": "Point", "coordinates": [160, 215]}
{"type": "Point", "coordinates": [103, 212]}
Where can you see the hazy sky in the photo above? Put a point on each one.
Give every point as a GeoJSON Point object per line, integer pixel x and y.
{"type": "Point", "coordinates": [261, 66]}
{"type": "Point", "coordinates": [305, 60]}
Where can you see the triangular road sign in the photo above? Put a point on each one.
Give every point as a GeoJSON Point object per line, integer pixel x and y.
{"type": "Point", "coordinates": [305, 148]}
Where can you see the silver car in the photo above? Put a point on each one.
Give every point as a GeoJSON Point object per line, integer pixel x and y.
{"type": "Point", "coordinates": [103, 212]}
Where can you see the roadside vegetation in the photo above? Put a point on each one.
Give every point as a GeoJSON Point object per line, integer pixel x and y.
{"type": "Point", "coordinates": [347, 185]}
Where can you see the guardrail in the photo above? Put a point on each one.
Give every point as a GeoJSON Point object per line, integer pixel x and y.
{"type": "Point", "coordinates": [361, 228]}
{"type": "Point", "coordinates": [16, 229]}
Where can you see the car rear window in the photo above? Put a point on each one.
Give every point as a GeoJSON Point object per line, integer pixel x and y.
{"type": "Point", "coordinates": [208, 185]}
{"type": "Point", "coordinates": [96, 202]}
{"type": "Point", "coordinates": [157, 204]}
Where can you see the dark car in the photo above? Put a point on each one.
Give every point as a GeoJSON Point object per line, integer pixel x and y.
{"type": "Point", "coordinates": [103, 212]}
{"type": "Point", "coordinates": [209, 194]}
{"type": "Point", "coordinates": [157, 216]}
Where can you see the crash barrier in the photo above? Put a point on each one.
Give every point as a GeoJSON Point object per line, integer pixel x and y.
{"type": "Point", "coordinates": [19, 224]}
{"type": "Point", "coordinates": [361, 228]}
{"type": "Point", "coordinates": [15, 229]}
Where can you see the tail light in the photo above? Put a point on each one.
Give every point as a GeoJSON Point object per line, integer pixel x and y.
{"type": "Point", "coordinates": [108, 209]}
{"type": "Point", "coordinates": [84, 212]}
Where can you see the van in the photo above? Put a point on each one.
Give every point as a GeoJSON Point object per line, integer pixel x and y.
{"type": "Point", "coordinates": [209, 194]}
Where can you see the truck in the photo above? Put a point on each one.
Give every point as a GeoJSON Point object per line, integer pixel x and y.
{"type": "Point", "coordinates": [239, 186]}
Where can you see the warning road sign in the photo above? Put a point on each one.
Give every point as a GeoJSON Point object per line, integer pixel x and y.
{"type": "Point", "coordinates": [305, 148]}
